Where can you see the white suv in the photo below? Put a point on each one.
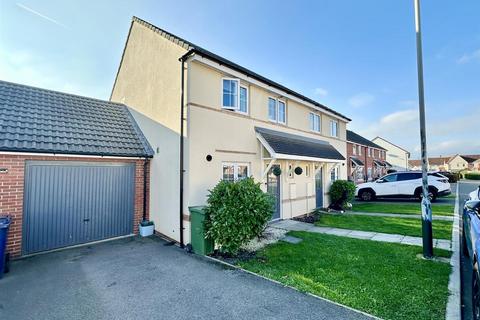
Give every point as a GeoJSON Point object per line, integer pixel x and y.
{"type": "Point", "coordinates": [406, 184]}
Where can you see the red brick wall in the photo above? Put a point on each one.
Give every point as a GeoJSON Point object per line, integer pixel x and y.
{"type": "Point", "coordinates": [366, 159]}
{"type": "Point", "coordinates": [11, 191]}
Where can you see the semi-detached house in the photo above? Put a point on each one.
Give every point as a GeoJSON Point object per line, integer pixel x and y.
{"type": "Point", "coordinates": [208, 119]}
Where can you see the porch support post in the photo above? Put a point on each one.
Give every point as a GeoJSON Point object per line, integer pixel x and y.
{"type": "Point", "coordinates": [270, 164]}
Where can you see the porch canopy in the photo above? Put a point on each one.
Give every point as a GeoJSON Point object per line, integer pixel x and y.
{"type": "Point", "coordinates": [379, 163]}
{"type": "Point", "coordinates": [357, 162]}
{"type": "Point", "coordinates": [288, 146]}
{"type": "Point", "coordinates": [387, 164]}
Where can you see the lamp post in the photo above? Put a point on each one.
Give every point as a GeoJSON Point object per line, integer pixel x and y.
{"type": "Point", "coordinates": [426, 205]}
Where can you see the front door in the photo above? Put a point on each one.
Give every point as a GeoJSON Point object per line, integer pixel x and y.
{"type": "Point", "coordinates": [319, 188]}
{"type": "Point", "coordinates": [273, 187]}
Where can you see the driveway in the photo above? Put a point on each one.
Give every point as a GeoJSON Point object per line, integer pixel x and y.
{"type": "Point", "coordinates": [137, 278]}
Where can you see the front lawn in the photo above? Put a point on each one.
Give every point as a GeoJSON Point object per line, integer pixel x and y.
{"type": "Point", "coordinates": [402, 208]}
{"type": "Point", "coordinates": [383, 279]}
{"type": "Point", "coordinates": [403, 226]}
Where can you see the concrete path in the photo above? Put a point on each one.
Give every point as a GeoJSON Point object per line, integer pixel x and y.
{"type": "Point", "coordinates": [391, 215]}
{"type": "Point", "coordinates": [292, 225]}
{"type": "Point", "coordinates": [136, 278]}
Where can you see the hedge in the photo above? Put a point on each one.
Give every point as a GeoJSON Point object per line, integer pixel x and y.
{"type": "Point", "coordinates": [472, 176]}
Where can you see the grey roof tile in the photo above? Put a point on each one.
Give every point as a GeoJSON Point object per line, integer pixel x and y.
{"type": "Point", "coordinates": [356, 138]}
{"type": "Point", "coordinates": [45, 121]}
{"type": "Point", "coordinates": [292, 144]}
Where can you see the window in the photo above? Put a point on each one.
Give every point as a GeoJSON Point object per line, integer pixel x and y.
{"type": "Point", "coordinates": [282, 112]}
{"type": "Point", "coordinates": [277, 111]}
{"type": "Point", "coordinates": [230, 94]}
{"type": "Point", "coordinates": [307, 170]}
{"type": "Point", "coordinates": [354, 149]}
{"type": "Point", "coordinates": [290, 171]}
{"type": "Point", "coordinates": [369, 152]}
{"type": "Point", "coordinates": [314, 122]}
{"type": "Point", "coordinates": [243, 100]}
{"type": "Point", "coordinates": [235, 171]}
{"type": "Point", "coordinates": [359, 150]}
{"type": "Point", "coordinates": [334, 128]}
{"type": "Point", "coordinates": [409, 176]}
{"type": "Point", "coordinates": [390, 178]}
{"type": "Point", "coordinates": [334, 174]}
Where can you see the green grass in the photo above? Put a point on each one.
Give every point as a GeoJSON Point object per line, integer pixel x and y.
{"type": "Point", "coordinates": [402, 208]}
{"type": "Point", "coordinates": [403, 226]}
{"type": "Point", "coordinates": [383, 279]}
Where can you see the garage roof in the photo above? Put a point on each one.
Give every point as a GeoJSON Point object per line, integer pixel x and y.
{"type": "Point", "coordinates": [44, 121]}
{"type": "Point", "coordinates": [289, 146]}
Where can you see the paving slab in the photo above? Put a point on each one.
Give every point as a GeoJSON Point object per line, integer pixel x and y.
{"type": "Point", "coordinates": [385, 237]}
{"type": "Point", "coordinates": [291, 239]}
{"type": "Point", "coordinates": [415, 241]}
{"type": "Point", "coordinates": [337, 231]}
{"type": "Point", "coordinates": [361, 234]}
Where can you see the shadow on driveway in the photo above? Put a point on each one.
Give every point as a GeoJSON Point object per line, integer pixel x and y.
{"type": "Point", "coordinates": [136, 278]}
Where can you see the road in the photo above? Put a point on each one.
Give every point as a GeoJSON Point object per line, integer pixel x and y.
{"type": "Point", "coordinates": [466, 273]}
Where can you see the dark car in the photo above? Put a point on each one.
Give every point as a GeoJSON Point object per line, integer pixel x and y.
{"type": "Point", "coordinates": [471, 248]}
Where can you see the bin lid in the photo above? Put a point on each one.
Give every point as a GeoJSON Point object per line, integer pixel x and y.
{"type": "Point", "coordinates": [5, 221]}
{"type": "Point", "coordinates": [197, 209]}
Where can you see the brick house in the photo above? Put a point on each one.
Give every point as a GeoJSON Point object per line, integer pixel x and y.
{"type": "Point", "coordinates": [365, 159]}
{"type": "Point", "coordinates": [72, 169]}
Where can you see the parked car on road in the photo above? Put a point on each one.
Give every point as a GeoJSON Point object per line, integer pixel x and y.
{"type": "Point", "coordinates": [471, 248]}
{"type": "Point", "coordinates": [407, 184]}
{"type": "Point", "coordinates": [475, 194]}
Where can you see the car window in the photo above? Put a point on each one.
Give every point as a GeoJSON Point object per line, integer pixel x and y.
{"type": "Point", "coordinates": [409, 176]}
{"type": "Point", "coordinates": [390, 178]}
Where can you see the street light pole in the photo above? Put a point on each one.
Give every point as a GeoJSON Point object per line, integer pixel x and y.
{"type": "Point", "coordinates": [426, 205]}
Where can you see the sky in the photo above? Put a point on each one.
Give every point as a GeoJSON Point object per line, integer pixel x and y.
{"type": "Point", "coordinates": [357, 57]}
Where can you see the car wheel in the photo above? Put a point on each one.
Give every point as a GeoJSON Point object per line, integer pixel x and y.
{"type": "Point", "coordinates": [475, 295]}
{"type": "Point", "coordinates": [367, 195]}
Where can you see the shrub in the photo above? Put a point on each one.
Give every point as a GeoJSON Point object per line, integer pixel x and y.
{"type": "Point", "coordinates": [472, 175]}
{"type": "Point", "coordinates": [236, 212]}
{"type": "Point", "coordinates": [341, 189]}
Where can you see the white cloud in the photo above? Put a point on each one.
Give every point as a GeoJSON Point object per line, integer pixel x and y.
{"type": "Point", "coordinates": [321, 92]}
{"type": "Point", "coordinates": [468, 57]}
{"type": "Point", "coordinates": [38, 14]}
{"type": "Point", "coordinates": [361, 100]}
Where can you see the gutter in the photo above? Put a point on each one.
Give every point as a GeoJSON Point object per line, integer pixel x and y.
{"type": "Point", "coordinates": [182, 120]}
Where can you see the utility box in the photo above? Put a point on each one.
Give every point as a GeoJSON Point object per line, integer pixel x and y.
{"type": "Point", "coordinates": [200, 244]}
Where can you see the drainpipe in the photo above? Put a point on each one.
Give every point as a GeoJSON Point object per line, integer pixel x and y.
{"type": "Point", "coordinates": [145, 166]}
{"type": "Point", "coordinates": [182, 116]}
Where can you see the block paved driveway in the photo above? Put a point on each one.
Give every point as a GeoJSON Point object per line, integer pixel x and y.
{"type": "Point", "coordinates": [137, 278]}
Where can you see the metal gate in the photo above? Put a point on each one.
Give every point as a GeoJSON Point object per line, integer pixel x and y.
{"type": "Point", "coordinates": [69, 203]}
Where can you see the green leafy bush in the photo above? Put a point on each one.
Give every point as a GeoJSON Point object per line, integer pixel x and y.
{"type": "Point", "coordinates": [236, 212]}
{"type": "Point", "coordinates": [340, 188]}
{"type": "Point", "coordinates": [472, 175]}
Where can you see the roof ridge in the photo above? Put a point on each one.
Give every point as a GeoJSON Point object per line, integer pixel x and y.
{"type": "Point", "coordinates": [233, 65]}
{"type": "Point", "coordinates": [59, 92]}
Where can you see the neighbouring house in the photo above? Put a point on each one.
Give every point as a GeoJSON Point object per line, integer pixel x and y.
{"type": "Point", "coordinates": [72, 169]}
{"type": "Point", "coordinates": [465, 162]}
{"type": "Point", "coordinates": [212, 119]}
{"type": "Point", "coordinates": [396, 156]}
{"type": "Point", "coordinates": [434, 164]}
{"type": "Point", "coordinates": [366, 160]}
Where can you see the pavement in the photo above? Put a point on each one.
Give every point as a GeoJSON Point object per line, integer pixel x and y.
{"type": "Point", "coordinates": [135, 278]}
{"type": "Point", "coordinates": [465, 187]}
{"type": "Point", "coordinates": [292, 225]}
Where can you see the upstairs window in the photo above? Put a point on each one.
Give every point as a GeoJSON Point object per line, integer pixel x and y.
{"type": "Point", "coordinates": [334, 128]}
{"type": "Point", "coordinates": [354, 149]}
{"type": "Point", "coordinates": [230, 94]}
{"type": "Point", "coordinates": [369, 152]}
{"type": "Point", "coordinates": [314, 122]}
{"type": "Point", "coordinates": [277, 111]}
{"type": "Point", "coordinates": [359, 150]}
{"type": "Point", "coordinates": [243, 100]}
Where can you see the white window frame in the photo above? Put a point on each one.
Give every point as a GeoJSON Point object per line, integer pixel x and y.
{"type": "Point", "coordinates": [277, 108]}
{"type": "Point", "coordinates": [307, 170]}
{"type": "Point", "coordinates": [235, 168]}
{"type": "Point", "coordinates": [354, 149]}
{"type": "Point", "coordinates": [370, 152]}
{"type": "Point", "coordinates": [336, 128]}
{"type": "Point", "coordinates": [359, 150]}
{"type": "Point", "coordinates": [238, 94]}
{"type": "Point", "coordinates": [312, 125]}
{"type": "Point", "coordinates": [290, 170]}
{"type": "Point", "coordinates": [247, 98]}
{"type": "Point", "coordinates": [335, 172]}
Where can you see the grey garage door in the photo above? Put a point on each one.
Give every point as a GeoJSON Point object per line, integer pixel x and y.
{"type": "Point", "coordinates": [68, 203]}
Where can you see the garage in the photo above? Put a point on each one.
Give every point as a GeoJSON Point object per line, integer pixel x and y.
{"type": "Point", "coordinates": [69, 203]}
{"type": "Point", "coordinates": [73, 169]}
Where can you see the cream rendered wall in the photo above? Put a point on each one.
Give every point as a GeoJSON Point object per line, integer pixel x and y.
{"type": "Point", "coordinates": [394, 155]}
{"type": "Point", "coordinates": [230, 137]}
{"type": "Point", "coordinates": [457, 163]}
{"type": "Point", "coordinates": [148, 81]}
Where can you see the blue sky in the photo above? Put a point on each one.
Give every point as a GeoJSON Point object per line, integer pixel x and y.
{"type": "Point", "coordinates": [358, 57]}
